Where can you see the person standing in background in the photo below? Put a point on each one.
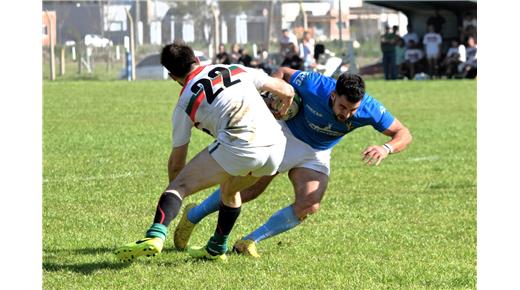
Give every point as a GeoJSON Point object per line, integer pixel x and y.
{"type": "Point", "coordinates": [432, 47]}
{"type": "Point", "coordinates": [388, 41]}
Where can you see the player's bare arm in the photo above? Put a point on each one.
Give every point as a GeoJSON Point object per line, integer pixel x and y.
{"type": "Point", "coordinates": [401, 137]}
{"type": "Point", "coordinates": [284, 73]}
{"type": "Point", "coordinates": [177, 160]}
{"type": "Point", "coordinates": [282, 90]}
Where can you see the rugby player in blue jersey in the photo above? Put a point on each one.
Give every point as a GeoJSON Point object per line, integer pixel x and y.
{"type": "Point", "coordinates": [330, 109]}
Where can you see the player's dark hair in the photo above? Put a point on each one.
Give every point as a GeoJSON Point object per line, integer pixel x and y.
{"type": "Point", "coordinates": [177, 58]}
{"type": "Point", "coordinates": [351, 86]}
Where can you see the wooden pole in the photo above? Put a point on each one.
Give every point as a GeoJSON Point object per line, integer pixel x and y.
{"type": "Point", "coordinates": [79, 55]}
{"type": "Point", "coordinates": [109, 58]}
{"type": "Point", "coordinates": [340, 26]}
{"type": "Point", "coordinates": [62, 61]}
{"type": "Point", "coordinates": [269, 25]}
{"type": "Point", "coordinates": [51, 48]}
{"type": "Point", "coordinates": [216, 24]}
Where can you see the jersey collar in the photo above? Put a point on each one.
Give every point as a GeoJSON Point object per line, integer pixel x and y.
{"type": "Point", "coordinates": [191, 75]}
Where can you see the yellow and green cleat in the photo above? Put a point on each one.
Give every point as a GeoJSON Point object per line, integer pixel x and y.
{"type": "Point", "coordinates": [182, 232]}
{"type": "Point", "coordinates": [146, 247]}
{"type": "Point", "coordinates": [246, 247]}
{"type": "Point", "coordinates": [202, 253]}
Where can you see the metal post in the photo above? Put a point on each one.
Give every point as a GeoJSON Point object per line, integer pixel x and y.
{"type": "Point", "coordinates": [132, 44]}
{"type": "Point", "coordinates": [137, 17]}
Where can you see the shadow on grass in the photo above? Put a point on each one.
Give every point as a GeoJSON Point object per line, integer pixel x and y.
{"type": "Point", "coordinates": [86, 251]}
{"type": "Point", "coordinates": [90, 268]}
{"type": "Point", "coordinates": [85, 269]}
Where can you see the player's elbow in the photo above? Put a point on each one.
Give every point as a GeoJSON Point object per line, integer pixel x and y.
{"type": "Point", "coordinates": [409, 136]}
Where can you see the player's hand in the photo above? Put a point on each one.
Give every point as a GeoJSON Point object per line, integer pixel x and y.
{"type": "Point", "coordinates": [282, 105]}
{"type": "Point", "coordinates": [374, 155]}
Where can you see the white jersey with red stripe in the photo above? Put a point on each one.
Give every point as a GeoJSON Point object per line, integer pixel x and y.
{"type": "Point", "coordinates": [223, 101]}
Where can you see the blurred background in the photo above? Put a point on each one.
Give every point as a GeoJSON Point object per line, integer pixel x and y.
{"type": "Point", "coordinates": [121, 39]}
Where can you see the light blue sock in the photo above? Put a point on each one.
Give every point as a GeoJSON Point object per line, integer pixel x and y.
{"type": "Point", "coordinates": [210, 205]}
{"type": "Point", "coordinates": [283, 220]}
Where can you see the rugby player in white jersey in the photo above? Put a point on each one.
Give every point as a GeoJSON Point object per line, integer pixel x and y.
{"type": "Point", "coordinates": [223, 101]}
{"type": "Point", "coordinates": [330, 110]}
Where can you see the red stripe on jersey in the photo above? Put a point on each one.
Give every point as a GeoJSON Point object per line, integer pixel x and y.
{"type": "Point", "coordinates": [234, 71]}
{"type": "Point", "coordinates": [196, 104]}
{"type": "Point", "coordinates": [190, 76]}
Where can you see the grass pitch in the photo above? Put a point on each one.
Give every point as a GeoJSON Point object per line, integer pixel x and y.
{"type": "Point", "coordinates": [407, 224]}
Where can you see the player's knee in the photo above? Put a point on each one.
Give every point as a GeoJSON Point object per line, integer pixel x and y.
{"type": "Point", "coordinates": [313, 208]}
{"type": "Point", "coordinates": [249, 194]}
{"type": "Point", "coordinates": [304, 210]}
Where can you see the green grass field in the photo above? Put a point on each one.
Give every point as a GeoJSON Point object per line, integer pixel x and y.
{"type": "Point", "coordinates": [407, 224]}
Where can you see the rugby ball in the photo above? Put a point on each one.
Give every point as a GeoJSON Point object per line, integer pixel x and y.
{"type": "Point", "coordinates": [274, 103]}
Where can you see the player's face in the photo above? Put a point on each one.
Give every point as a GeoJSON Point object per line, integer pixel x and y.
{"type": "Point", "coordinates": [343, 109]}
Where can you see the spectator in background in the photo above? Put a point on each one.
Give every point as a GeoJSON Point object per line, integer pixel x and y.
{"type": "Point", "coordinates": [222, 56]}
{"type": "Point", "coordinates": [469, 27]}
{"type": "Point", "coordinates": [319, 50]}
{"type": "Point", "coordinates": [292, 59]}
{"type": "Point", "coordinates": [412, 58]}
{"type": "Point", "coordinates": [437, 21]}
{"type": "Point", "coordinates": [468, 69]}
{"type": "Point", "coordinates": [399, 56]}
{"type": "Point", "coordinates": [286, 40]}
{"type": "Point", "coordinates": [432, 46]}
{"type": "Point", "coordinates": [245, 59]}
{"type": "Point", "coordinates": [469, 20]}
{"type": "Point", "coordinates": [307, 51]}
{"type": "Point", "coordinates": [262, 62]}
{"type": "Point", "coordinates": [388, 41]}
{"type": "Point", "coordinates": [454, 57]}
{"type": "Point", "coordinates": [410, 35]}
{"type": "Point", "coordinates": [236, 52]}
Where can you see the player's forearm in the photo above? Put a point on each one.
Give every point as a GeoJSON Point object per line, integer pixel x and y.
{"type": "Point", "coordinates": [400, 140]}
{"type": "Point", "coordinates": [279, 88]}
{"type": "Point", "coordinates": [277, 74]}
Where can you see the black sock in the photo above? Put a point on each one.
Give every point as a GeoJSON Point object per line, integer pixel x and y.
{"type": "Point", "coordinates": [227, 217]}
{"type": "Point", "coordinates": [168, 208]}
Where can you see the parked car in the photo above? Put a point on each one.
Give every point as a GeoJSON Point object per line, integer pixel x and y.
{"type": "Point", "coordinates": [97, 41]}
{"type": "Point", "coordinates": [150, 68]}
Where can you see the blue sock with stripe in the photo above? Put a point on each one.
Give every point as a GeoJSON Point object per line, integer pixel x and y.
{"type": "Point", "coordinates": [283, 220]}
{"type": "Point", "coordinates": [210, 205]}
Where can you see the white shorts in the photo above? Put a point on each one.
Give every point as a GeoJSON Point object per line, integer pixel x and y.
{"type": "Point", "coordinates": [301, 154]}
{"type": "Point", "coordinates": [264, 160]}
{"type": "Point", "coordinates": [432, 53]}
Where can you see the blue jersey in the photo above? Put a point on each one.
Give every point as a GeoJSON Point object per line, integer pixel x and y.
{"type": "Point", "coordinates": [316, 123]}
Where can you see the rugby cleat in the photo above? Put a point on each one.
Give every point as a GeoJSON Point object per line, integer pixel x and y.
{"type": "Point", "coordinates": [246, 247]}
{"type": "Point", "coordinates": [182, 232]}
{"type": "Point", "coordinates": [202, 253]}
{"type": "Point", "coordinates": [146, 247]}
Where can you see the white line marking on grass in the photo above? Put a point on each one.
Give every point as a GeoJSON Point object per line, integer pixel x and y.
{"type": "Point", "coordinates": [424, 158]}
{"type": "Point", "coordinates": [89, 178]}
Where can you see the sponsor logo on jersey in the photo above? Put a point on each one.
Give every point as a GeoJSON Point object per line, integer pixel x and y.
{"type": "Point", "coordinates": [325, 130]}
{"type": "Point", "coordinates": [312, 110]}
{"type": "Point", "coordinates": [299, 79]}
